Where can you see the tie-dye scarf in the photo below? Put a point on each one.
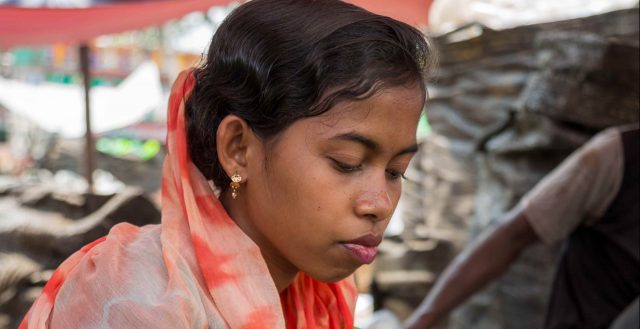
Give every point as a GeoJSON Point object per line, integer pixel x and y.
{"type": "Point", "coordinates": [195, 270]}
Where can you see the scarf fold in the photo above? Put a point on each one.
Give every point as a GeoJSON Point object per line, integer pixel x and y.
{"type": "Point", "coordinates": [197, 270]}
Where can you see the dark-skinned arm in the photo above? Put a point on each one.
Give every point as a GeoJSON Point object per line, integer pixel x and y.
{"type": "Point", "coordinates": [485, 259]}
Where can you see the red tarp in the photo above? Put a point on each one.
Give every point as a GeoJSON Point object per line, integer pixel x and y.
{"type": "Point", "coordinates": [37, 26]}
{"type": "Point", "coordinates": [414, 12]}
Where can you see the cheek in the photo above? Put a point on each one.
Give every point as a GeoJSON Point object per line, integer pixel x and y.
{"type": "Point", "coordinates": [395, 191]}
{"type": "Point", "coordinates": [308, 186]}
{"type": "Point", "coordinates": [292, 181]}
{"type": "Point", "coordinates": [306, 192]}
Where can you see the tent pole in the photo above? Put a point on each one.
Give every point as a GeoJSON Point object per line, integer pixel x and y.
{"type": "Point", "coordinates": [89, 147]}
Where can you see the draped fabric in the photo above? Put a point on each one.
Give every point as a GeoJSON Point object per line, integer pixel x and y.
{"type": "Point", "coordinates": [195, 270]}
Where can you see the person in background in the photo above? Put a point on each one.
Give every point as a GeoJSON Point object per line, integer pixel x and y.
{"type": "Point", "coordinates": [286, 151]}
{"type": "Point", "coordinates": [590, 202]}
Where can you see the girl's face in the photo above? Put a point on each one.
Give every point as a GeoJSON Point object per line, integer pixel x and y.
{"type": "Point", "coordinates": [323, 193]}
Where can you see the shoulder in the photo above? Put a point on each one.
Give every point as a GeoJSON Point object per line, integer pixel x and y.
{"type": "Point", "coordinates": [601, 155]}
{"type": "Point", "coordinates": [125, 282]}
{"type": "Point", "coordinates": [112, 279]}
{"type": "Point", "coordinates": [603, 142]}
{"type": "Point", "coordinates": [124, 251]}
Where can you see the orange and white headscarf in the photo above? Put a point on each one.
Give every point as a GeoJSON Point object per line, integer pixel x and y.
{"type": "Point", "coordinates": [195, 270]}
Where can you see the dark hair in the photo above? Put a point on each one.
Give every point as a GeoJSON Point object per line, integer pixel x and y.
{"type": "Point", "coordinates": [272, 62]}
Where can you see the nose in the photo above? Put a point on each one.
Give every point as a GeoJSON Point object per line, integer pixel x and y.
{"type": "Point", "coordinates": [374, 205]}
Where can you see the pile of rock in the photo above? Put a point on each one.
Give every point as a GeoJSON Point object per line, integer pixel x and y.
{"type": "Point", "coordinates": [41, 225]}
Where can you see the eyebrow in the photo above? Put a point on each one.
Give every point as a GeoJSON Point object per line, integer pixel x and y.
{"type": "Point", "coordinates": [370, 144]}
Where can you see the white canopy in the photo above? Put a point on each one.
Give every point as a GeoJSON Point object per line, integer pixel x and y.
{"type": "Point", "coordinates": [60, 108]}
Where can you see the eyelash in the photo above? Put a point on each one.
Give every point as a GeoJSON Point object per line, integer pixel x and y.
{"type": "Point", "coordinates": [347, 168]}
{"type": "Point", "coordinates": [344, 167]}
{"type": "Point", "coordinates": [396, 174]}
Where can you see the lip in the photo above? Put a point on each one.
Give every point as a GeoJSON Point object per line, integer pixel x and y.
{"type": "Point", "coordinates": [367, 240]}
{"type": "Point", "coordinates": [364, 248]}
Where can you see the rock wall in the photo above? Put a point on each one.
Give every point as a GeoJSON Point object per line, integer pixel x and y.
{"type": "Point", "coordinates": [505, 108]}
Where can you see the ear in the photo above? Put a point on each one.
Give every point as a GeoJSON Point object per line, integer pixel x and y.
{"type": "Point", "coordinates": [234, 140]}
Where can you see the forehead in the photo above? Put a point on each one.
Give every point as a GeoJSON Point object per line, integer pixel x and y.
{"type": "Point", "coordinates": [389, 108]}
{"type": "Point", "coordinates": [390, 117]}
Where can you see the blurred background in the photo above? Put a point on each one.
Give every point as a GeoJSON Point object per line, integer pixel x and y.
{"type": "Point", "coordinates": [521, 84]}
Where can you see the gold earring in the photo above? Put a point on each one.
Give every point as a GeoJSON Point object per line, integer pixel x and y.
{"type": "Point", "coordinates": [235, 184]}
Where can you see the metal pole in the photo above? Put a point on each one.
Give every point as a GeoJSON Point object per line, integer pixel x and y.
{"type": "Point", "coordinates": [89, 147]}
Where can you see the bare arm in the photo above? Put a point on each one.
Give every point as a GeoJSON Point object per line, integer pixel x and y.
{"type": "Point", "coordinates": [481, 262]}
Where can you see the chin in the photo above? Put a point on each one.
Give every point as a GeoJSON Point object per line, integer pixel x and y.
{"type": "Point", "coordinates": [336, 275]}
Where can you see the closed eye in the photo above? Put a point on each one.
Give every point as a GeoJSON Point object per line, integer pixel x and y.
{"type": "Point", "coordinates": [394, 174]}
{"type": "Point", "coordinates": [345, 167]}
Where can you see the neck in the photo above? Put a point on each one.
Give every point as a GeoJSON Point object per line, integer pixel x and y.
{"type": "Point", "coordinates": [282, 279]}
{"type": "Point", "coordinates": [282, 272]}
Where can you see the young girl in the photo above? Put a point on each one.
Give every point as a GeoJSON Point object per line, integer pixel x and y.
{"type": "Point", "coordinates": [285, 155]}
